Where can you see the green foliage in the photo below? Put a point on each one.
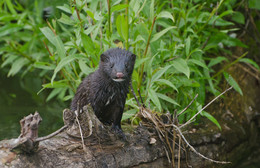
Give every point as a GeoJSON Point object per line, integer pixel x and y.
{"type": "Point", "coordinates": [177, 44]}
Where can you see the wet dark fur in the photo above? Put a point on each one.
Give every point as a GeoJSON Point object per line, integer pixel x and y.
{"type": "Point", "coordinates": [106, 96]}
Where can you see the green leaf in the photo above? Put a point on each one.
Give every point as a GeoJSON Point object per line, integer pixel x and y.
{"type": "Point", "coordinates": [90, 14]}
{"type": "Point", "coordinates": [55, 40]}
{"type": "Point", "coordinates": [202, 64]}
{"type": "Point", "coordinates": [238, 17]}
{"type": "Point", "coordinates": [181, 66]}
{"type": "Point", "coordinates": [56, 84]}
{"type": "Point", "coordinates": [135, 5]}
{"type": "Point", "coordinates": [66, 19]}
{"type": "Point", "coordinates": [53, 93]}
{"type": "Point", "coordinates": [159, 73]}
{"type": "Point", "coordinates": [212, 86]}
{"type": "Point", "coordinates": [217, 60]}
{"type": "Point", "coordinates": [121, 26]}
{"type": "Point", "coordinates": [10, 6]}
{"type": "Point", "coordinates": [153, 96]}
{"type": "Point", "coordinates": [139, 62]}
{"type": "Point", "coordinates": [129, 114]}
{"type": "Point", "coordinates": [88, 44]}
{"type": "Point", "coordinates": [84, 68]}
{"type": "Point", "coordinates": [254, 4]}
{"type": "Point", "coordinates": [165, 14]}
{"type": "Point", "coordinates": [249, 61]}
{"type": "Point", "coordinates": [10, 59]}
{"type": "Point", "coordinates": [9, 29]}
{"type": "Point", "coordinates": [64, 8]}
{"type": "Point", "coordinates": [187, 46]}
{"type": "Point", "coordinates": [166, 98]}
{"type": "Point", "coordinates": [232, 82]}
{"type": "Point", "coordinates": [68, 97]}
{"type": "Point", "coordinates": [65, 61]}
{"type": "Point", "coordinates": [143, 30]}
{"type": "Point", "coordinates": [118, 7]}
{"type": "Point", "coordinates": [211, 118]}
{"type": "Point", "coordinates": [17, 65]}
{"type": "Point", "coordinates": [161, 33]}
{"type": "Point", "coordinates": [166, 82]}
{"type": "Point", "coordinates": [44, 65]}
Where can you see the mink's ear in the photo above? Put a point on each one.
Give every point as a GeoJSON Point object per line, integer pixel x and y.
{"type": "Point", "coordinates": [133, 57]}
{"type": "Point", "coordinates": [103, 58]}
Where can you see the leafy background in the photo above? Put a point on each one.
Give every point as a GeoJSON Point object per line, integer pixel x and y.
{"type": "Point", "coordinates": [183, 47]}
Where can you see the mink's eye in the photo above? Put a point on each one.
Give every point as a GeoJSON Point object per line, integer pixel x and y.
{"type": "Point", "coordinates": [111, 65]}
{"type": "Point", "coordinates": [126, 65]}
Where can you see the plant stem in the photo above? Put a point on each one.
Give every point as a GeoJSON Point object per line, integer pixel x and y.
{"type": "Point", "coordinates": [127, 27]}
{"type": "Point", "coordinates": [109, 18]}
{"type": "Point", "coordinates": [229, 65]}
{"type": "Point", "coordinates": [21, 53]}
{"type": "Point", "coordinates": [145, 52]}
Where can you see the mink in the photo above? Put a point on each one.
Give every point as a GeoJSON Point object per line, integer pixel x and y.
{"type": "Point", "coordinates": [106, 88]}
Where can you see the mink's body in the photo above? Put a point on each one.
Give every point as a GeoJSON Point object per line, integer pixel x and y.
{"type": "Point", "coordinates": [107, 87]}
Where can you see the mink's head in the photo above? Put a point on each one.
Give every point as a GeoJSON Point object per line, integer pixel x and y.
{"type": "Point", "coordinates": [117, 64]}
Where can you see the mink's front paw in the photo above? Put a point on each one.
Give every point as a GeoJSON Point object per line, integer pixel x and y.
{"type": "Point", "coordinates": [119, 132]}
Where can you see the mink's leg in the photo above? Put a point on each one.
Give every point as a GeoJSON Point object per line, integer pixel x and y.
{"type": "Point", "coordinates": [116, 125]}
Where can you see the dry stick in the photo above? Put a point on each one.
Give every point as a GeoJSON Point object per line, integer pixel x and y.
{"type": "Point", "coordinates": [205, 107]}
{"type": "Point", "coordinates": [188, 105]}
{"type": "Point", "coordinates": [140, 96]}
{"type": "Point", "coordinates": [190, 120]}
{"type": "Point", "coordinates": [167, 154]}
{"type": "Point", "coordinates": [250, 73]}
{"type": "Point", "coordinates": [47, 48]}
{"type": "Point", "coordinates": [109, 18]}
{"type": "Point", "coordinates": [80, 130]}
{"type": "Point", "coordinates": [179, 153]}
{"type": "Point", "coordinates": [54, 32]}
{"type": "Point", "coordinates": [52, 134]}
{"type": "Point", "coordinates": [132, 89]}
{"type": "Point", "coordinates": [167, 141]}
{"type": "Point", "coordinates": [77, 12]}
{"type": "Point", "coordinates": [194, 150]}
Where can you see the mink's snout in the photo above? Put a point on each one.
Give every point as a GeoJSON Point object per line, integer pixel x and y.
{"type": "Point", "coordinates": [119, 75]}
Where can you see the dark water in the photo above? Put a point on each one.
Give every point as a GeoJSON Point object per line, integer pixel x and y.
{"type": "Point", "coordinates": [10, 117]}
{"type": "Point", "coordinates": [17, 101]}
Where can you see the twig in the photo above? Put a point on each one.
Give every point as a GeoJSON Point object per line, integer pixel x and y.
{"type": "Point", "coordinates": [54, 32]}
{"type": "Point", "coordinates": [167, 155]}
{"type": "Point", "coordinates": [229, 65]}
{"type": "Point", "coordinates": [179, 153]}
{"type": "Point", "coordinates": [78, 15]}
{"type": "Point", "coordinates": [133, 92]}
{"type": "Point", "coordinates": [80, 130]}
{"type": "Point", "coordinates": [248, 71]}
{"type": "Point", "coordinates": [140, 96]}
{"type": "Point", "coordinates": [190, 120]}
{"type": "Point", "coordinates": [188, 105]}
{"type": "Point", "coordinates": [47, 48]}
{"type": "Point", "coordinates": [194, 150]}
{"type": "Point", "coordinates": [52, 134]}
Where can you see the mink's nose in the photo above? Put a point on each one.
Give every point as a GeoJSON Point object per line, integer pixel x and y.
{"type": "Point", "coordinates": [119, 75]}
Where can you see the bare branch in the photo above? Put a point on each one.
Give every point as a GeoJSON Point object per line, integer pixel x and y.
{"type": "Point", "coordinates": [194, 150]}
{"type": "Point", "coordinates": [188, 105]}
{"type": "Point", "coordinates": [190, 120]}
